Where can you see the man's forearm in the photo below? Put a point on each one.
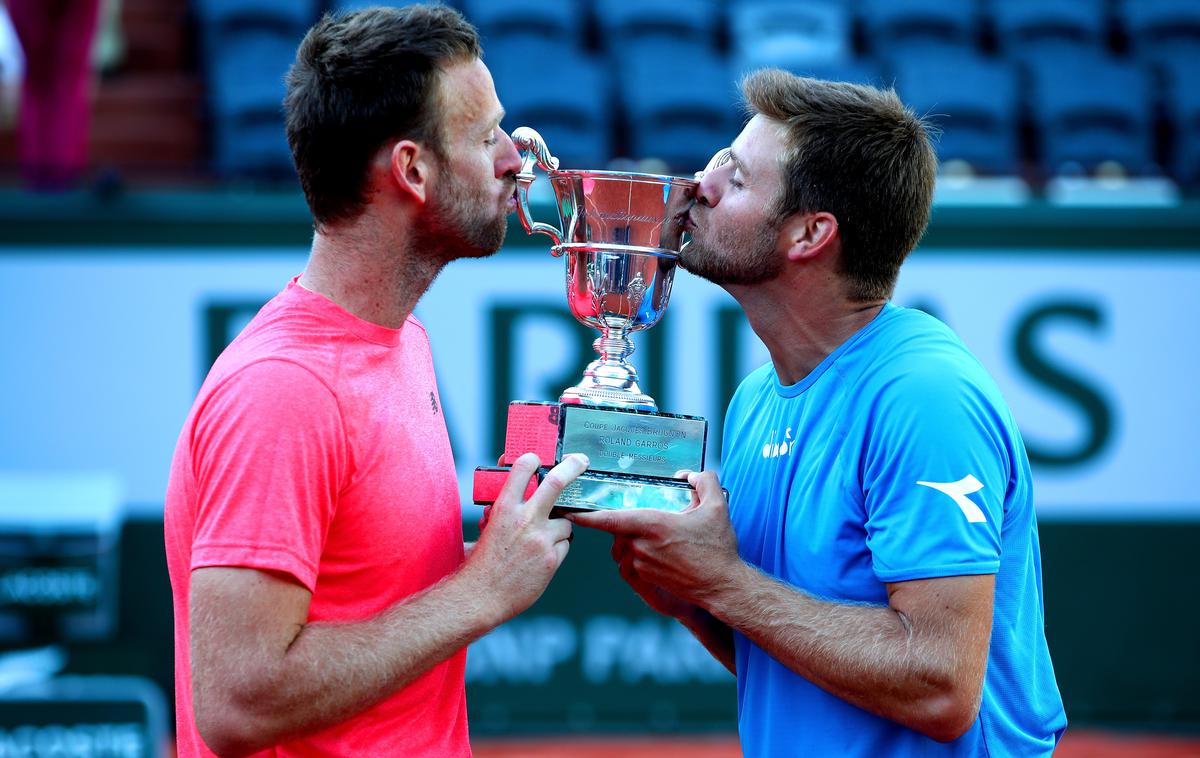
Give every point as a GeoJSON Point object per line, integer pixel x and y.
{"type": "Point", "coordinates": [868, 655]}
{"type": "Point", "coordinates": [714, 634]}
{"type": "Point", "coordinates": [263, 674]}
{"type": "Point", "coordinates": [333, 671]}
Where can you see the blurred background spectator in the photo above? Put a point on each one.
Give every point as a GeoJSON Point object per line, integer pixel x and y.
{"type": "Point", "coordinates": [52, 128]}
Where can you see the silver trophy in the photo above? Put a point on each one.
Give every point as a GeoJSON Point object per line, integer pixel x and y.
{"type": "Point", "coordinates": [621, 233]}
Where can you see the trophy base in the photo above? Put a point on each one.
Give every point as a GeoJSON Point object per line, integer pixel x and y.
{"type": "Point", "coordinates": [615, 440]}
{"type": "Point", "coordinates": [593, 491]}
{"type": "Point", "coordinates": [601, 397]}
{"type": "Point", "coordinates": [633, 455]}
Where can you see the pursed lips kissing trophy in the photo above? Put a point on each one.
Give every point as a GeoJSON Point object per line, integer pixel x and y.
{"type": "Point", "coordinates": [621, 235]}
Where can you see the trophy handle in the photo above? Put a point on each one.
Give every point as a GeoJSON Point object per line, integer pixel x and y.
{"type": "Point", "coordinates": [533, 152]}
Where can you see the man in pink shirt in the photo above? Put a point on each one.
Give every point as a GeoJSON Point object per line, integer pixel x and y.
{"type": "Point", "coordinates": [323, 597]}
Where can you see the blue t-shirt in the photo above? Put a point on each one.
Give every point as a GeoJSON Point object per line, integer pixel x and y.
{"type": "Point", "coordinates": [895, 459]}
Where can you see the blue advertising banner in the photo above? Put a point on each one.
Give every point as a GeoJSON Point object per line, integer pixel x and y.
{"type": "Point", "coordinates": [104, 350]}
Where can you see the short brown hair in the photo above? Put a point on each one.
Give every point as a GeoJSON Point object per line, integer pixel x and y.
{"type": "Point", "coordinates": [359, 80]}
{"type": "Point", "coordinates": [856, 152]}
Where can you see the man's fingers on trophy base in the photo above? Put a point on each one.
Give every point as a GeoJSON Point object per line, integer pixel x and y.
{"type": "Point", "coordinates": [560, 529]}
{"type": "Point", "coordinates": [556, 480]}
{"type": "Point", "coordinates": [631, 523]}
{"type": "Point", "coordinates": [526, 462]}
{"type": "Point", "coordinates": [561, 548]}
{"type": "Point", "coordinates": [706, 484]}
{"type": "Point", "coordinates": [522, 471]}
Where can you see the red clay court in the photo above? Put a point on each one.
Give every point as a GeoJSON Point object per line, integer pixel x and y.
{"type": "Point", "coordinates": [1078, 743]}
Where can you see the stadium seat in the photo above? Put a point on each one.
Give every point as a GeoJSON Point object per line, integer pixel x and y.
{"type": "Point", "coordinates": [349, 6]}
{"type": "Point", "coordinates": [623, 22]}
{"type": "Point", "coordinates": [253, 146]}
{"type": "Point", "coordinates": [789, 35]}
{"type": "Point", "coordinates": [250, 71]}
{"type": "Point", "coordinates": [1089, 110]}
{"type": "Point", "coordinates": [1160, 29]}
{"type": "Point", "coordinates": [1182, 100]}
{"type": "Point", "coordinates": [680, 104]}
{"type": "Point", "coordinates": [855, 71]}
{"type": "Point", "coordinates": [284, 14]}
{"type": "Point", "coordinates": [246, 89]}
{"type": "Point", "coordinates": [1027, 29]}
{"type": "Point", "coordinates": [973, 100]}
{"type": "Point", "coordinates": [566, 96]}
{"type": "Point", "coordinates": [895, 27]}
{"type": "Point", "coordinates": [222, 22]}
{"type": "Point", "coordinates": [561, 20]}
{"type": "Point", "coordinates": [247, 47]}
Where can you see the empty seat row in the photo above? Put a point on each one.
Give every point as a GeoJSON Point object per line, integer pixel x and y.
{"type": "Point", "coordinates": [1085, 111]}
{"type": "Point", "coordinates": [666, 102]}
{"type": "Point", "coordinates": [780, 32]}
{"type": "Point", "coordinates": [669, 94]}
{"type": "Point", "coordinates": [888, 26]}
{"type": "Point", "coordinates": [615, 22]}
{"type": "Point", "coordinates": [663, 100]}
{"type": "Point", "coordinates": [1074, 113]}
{"type": "Point", "coordinates": [826, 29]}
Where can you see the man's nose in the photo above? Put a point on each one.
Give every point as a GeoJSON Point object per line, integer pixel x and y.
{"type": "Point", "coordinates": [709, 192]}
{"type": "Point", "coordinates": [509, 160]}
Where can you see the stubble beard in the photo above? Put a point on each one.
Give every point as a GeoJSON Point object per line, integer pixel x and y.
{"type": "Point", "coordinates": [462, 224]}
{"type": "Point", "coordinates": [734, 255]}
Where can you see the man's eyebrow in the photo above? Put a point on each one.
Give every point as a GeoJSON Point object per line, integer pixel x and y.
{"type": "Point", "coordinates": [737, 162]}
{"type": "Point", "coordinates": [496, 119]}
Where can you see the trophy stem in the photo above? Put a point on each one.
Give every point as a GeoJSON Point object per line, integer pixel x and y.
{"type": "Point", "coordinates": [614, 347]}
{"type": "Point", "coordinates": [610, 381]}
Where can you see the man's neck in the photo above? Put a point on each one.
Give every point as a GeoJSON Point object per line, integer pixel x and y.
{"type": "Point", "coordinates": [801, 325]}
{"type": "Point", "coordinates": [371, 271]}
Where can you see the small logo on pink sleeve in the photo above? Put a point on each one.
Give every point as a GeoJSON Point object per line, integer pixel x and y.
{"type": "Point", "coordinates": [433, 401]}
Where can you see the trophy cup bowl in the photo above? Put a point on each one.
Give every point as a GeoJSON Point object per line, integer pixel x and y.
{"type": "Point", "coordinates": [621, 233]}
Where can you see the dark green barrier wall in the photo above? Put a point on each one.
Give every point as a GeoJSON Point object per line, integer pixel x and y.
{"type": "Point", "coordinates": [169, 219]}
{"type": "Point", "coordinates": [1123, 626]}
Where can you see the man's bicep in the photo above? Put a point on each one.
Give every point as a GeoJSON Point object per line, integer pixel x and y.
{"type": "Point", "coordinates": [953, 612]}
{"type": "Point", "coordinates": [935, 480]}
{"type": "Point", "coordinates": [270, 457]}
{"type": "Point", "coordinates": [241, 622]}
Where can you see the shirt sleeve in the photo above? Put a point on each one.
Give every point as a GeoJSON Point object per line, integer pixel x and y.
{"type": "Point", "coordinates": [269, 455]}
{"type": "Point", "coordinates": [935, 474]}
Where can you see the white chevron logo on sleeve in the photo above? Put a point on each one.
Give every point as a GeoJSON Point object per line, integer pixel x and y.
{"type": "Point", "coordinates": [958, 492]}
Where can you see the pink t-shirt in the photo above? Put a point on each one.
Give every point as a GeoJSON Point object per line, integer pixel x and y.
{"type": "Point", "coordinates": [317, 447]}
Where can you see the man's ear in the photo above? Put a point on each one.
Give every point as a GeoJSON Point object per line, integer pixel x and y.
{"type": "Point", "coordinates": [410, 169]}
{"type": "Point", "coordinates": [807, 235]}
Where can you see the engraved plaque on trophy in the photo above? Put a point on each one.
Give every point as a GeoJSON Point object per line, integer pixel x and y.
{"type": "Point", "coordinates": [620, 233]}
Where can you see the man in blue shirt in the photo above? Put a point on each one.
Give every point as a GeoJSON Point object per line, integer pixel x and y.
{"type": "Point", "coordinates": [875, 579]}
